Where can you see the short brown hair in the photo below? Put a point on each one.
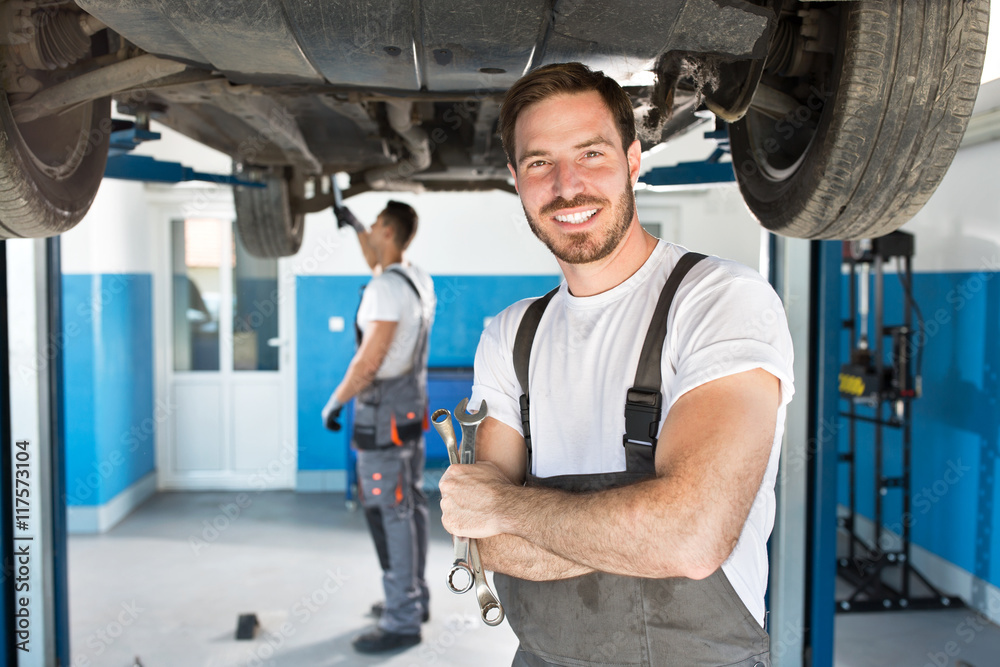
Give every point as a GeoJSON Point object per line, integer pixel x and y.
{"type": "Point", "coordinates": [563, 78]}
{"type": "Point", "coordinates": [403, 220]}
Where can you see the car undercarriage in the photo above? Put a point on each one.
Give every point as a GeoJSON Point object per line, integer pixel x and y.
{"type": "Point", "coordinates": [843, 116]}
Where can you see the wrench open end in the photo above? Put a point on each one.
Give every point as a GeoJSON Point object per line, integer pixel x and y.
{"type": "Point", "coordinates": [469, 419]}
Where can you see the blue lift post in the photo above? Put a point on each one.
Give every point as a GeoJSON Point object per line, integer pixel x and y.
{"type": "Point", "coordinates": [710, 170]}
{"type": "Point", "coordinates": [122, 164]}
{"type": "Point", "coordinates": [57, 500]}
{"type": "Point", "coordinates": [8, 654]}
{"type": "Point", "coordinates": [823, 397]}
{"type": "Point", "coordinates": [824, 409]}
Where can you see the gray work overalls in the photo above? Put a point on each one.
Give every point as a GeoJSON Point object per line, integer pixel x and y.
{"type": "Point", "coordinates": [389, 421]}
{"type": "Point", "coordinates": [602, 619]}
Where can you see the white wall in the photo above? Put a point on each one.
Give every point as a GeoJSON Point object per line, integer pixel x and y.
{"type": "Point", "coordinates": [460, 233]}
{"type": "Point", "coordinates": [712, 220]}
{"type": "Point", "coordinates": [959, 228]}
{"type": "Point", "coordinates": [485, 233]}
{"type": "Point", "coordinates": [115, 236]}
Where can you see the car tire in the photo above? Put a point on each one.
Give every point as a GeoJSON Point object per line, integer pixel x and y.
{"type": "Point", "coordinates": [894, 108]}
{"type": "Point", "coordinates": [51, 168]}
{"type": "Point", "coordinates": [264, 218]}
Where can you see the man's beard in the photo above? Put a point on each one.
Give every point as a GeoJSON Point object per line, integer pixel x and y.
{"type": "Point", "coordinates": [586, 247]}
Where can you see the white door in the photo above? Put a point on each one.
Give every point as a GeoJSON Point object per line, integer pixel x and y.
{"type": "Point", "coordinates": [228, 364]}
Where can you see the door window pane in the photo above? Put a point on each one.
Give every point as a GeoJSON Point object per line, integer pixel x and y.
{"type": "Point", "coordinates": [255, 311]}
{"type": "Point", "coordinates": [196, 246]}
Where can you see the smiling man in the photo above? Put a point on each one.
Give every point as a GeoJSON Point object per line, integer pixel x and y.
{"type": "Point", "coordinates": [625, 489]}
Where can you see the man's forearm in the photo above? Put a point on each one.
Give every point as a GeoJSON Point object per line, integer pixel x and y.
{"type": "Point", "coordinates": [358, 376]}
{"type": "Point", "coordinates": [517, 557]}
{"type": "Point", "coordinates": [367, 360]}
{"type": "Point", "coordinates": [618, 530]}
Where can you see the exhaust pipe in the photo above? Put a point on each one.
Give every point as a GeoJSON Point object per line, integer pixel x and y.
{"type": "Point", "coordinates": [395, 176]}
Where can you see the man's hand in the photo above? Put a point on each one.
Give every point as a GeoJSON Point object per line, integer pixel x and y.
{"type": "Point", "coordinates": [331, 413]}
{"type": "Point", "coordinates": [473, 498]}
{"type": "Point", "coordinates": [347, 219]}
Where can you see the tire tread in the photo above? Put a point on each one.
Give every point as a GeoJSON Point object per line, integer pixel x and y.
{"type": "Point", "coordinates": [907, 87]}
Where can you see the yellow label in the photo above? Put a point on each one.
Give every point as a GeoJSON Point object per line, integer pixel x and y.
{"type": "Point", "coordinates": [851, 384]}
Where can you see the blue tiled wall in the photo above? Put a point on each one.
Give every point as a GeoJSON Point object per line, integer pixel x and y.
{"type": "Point", "coordinates": [463, 304]}
{"type": "Point", "coordinates": [108, 376]}
{"type": "Point", "coordinates": [956, 423]}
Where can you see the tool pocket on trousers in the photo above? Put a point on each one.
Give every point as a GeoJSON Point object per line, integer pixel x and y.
{"type": "Point", "coordinates": [381, 478]}
{"type": "Point", "coordinates": [406, 423]}
{"type": "Point", "coordinates": [388, 425]}
{"type": "Point", "coordinates": [366, 431]}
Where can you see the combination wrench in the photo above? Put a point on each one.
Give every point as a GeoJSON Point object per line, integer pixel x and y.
{"type": "Point", "coordinates": [466, 550]}
{"type": "Point", "coordinates": [460, 578]}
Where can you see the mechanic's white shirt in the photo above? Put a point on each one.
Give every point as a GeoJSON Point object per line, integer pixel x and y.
{"type": "Point", "coordinates": [388, 298]}
{"type": "Point", "coordinates": [725, 319]}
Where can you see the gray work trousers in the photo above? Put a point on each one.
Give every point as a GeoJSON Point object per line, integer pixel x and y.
{"type": "Point", "coordinates": [390, 485]}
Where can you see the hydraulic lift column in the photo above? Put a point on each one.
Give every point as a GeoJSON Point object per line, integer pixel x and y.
{"type": "Point", "coordinates": [34, 531]}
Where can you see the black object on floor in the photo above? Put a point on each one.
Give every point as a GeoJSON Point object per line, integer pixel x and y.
{"type": "Point", "coordinates": [247, 626]}
{"type": "Point", "coordinates": [380, 641]}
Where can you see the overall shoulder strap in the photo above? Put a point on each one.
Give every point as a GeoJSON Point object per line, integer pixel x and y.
{"type": "Point", "coordinates": [409, 281]}
{"type": "Point", "coordinates": [420, 351]}
{"type": "Point", "coordinates": [361, 293]}
{"type": "Point", "coordinates": [358, 335]}
{"type": "Point", "coordinates": [522, 355]}
{"type": "Point", "coordinates": [526, 336]}
{"type": "Point", "coordinates": [644, 401]}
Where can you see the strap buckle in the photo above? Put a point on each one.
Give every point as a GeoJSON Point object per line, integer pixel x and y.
{"type": "Point", "coordinates": [642, 416]}
{"type": "Point", "coordinates": [526, 427]}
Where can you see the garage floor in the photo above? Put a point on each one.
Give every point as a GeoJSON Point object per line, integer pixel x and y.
{"type": "Point", "coordinates": [169, 582]}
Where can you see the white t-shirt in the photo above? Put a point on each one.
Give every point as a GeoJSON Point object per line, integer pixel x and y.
{"type": "Point", "coordinates": [725, 319]}
{"type": "Point", "coordinates": [388, 298]}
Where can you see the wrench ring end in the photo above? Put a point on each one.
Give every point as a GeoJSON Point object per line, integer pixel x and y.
{"type": "Point", "coordinates": [487, 609]}
{"type": "Point", "coordinates": [467, 571]}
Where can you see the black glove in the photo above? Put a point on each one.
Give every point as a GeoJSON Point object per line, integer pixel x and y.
{"type": "Point", "coordinates": [331, 414]}
{"type": "Point", "coordinates": [333, 419]}
{"type": "Point", "coordinates": [347, 219]}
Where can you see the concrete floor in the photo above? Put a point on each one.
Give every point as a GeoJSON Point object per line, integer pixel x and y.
{"type": "Point", "coordinates": [945, 638]}
{"type": "Point", "coordinates": [169, 583]}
